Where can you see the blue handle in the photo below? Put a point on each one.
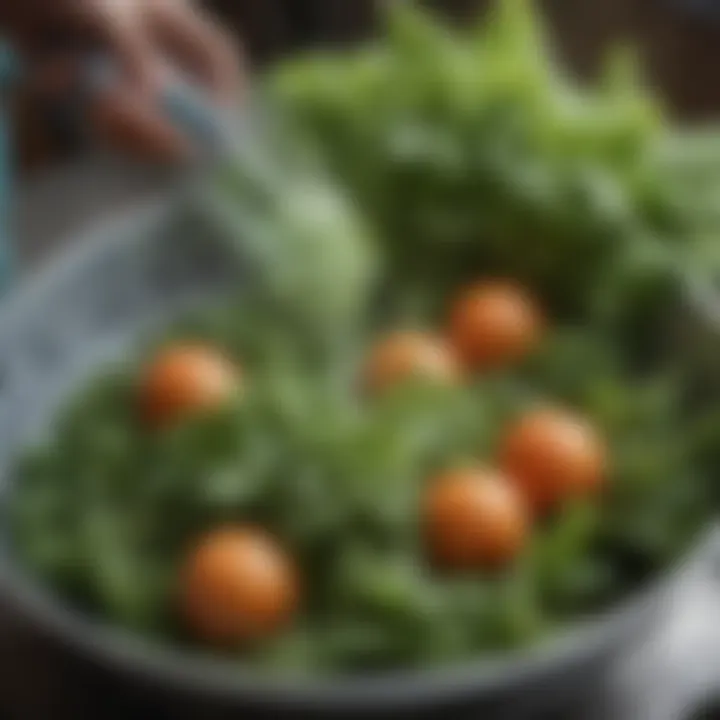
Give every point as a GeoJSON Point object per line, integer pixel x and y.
{"type": "Point", "coordinates": [189, 110]}
{"type": "Point", "coordinates": [8, 73]}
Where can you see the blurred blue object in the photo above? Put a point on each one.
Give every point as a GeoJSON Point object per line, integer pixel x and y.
{"type": "Point", "coordinates": [8, 71]}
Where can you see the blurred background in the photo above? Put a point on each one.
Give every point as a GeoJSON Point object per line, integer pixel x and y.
{"type": "Point", "coordinates": [679, 40]}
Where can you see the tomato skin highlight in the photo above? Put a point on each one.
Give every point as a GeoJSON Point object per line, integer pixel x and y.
{"type": "Point", "coordinates": [554, 455]}
{"type": "Point", "coordinates": [183, 380]}
{"type": "Point", "coordinates": [474, 518]}
{"type": "Point", "coordinates": [238, 586]}
{"type": "Point", "coordinates": [494, 323]}
{"type": "Point", "coordinates": [404, 355]}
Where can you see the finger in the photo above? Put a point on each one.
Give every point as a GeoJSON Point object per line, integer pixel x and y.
{"type": "Point", "coordinates": [200, 44]}
{"type": "Point", "coordinates": [124, 26]}
{"type": "Point", "coordinates": [132, 124]}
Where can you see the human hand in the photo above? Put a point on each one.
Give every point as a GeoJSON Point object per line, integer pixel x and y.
{"type": "Point", "coordinates": [143, 37]}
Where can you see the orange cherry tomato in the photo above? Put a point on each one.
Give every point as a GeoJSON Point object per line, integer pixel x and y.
{"type": "Point", "coordinates": [185, 379]}
{"type": "Point", "coordinates": [494, 323]}
{"type": "Point", "coordinates": [238, 585]}
{"type": "Point", "coordinates": [474, 518]}
{"type": "Point", "coordinates": [404, 355]}
{"type": "Point", "coordinates": [553, 455]}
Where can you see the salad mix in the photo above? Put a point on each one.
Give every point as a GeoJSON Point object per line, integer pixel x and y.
{"type": "Point", "coordinates": [446, 418]}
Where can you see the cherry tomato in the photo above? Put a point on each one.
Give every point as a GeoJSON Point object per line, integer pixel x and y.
{"type": "Point", "coordinates": [404, 355]}
{"type": "Point", "coordinates": [494, 323]}
{"type": "Point", "coordinates": [238, 585]}
{"type": "Point", "coordinates": [185, 379]}
{"type": "Point", "coordinates": [552, 455]}
{"type": "Point", "coordinates": [474, 518]}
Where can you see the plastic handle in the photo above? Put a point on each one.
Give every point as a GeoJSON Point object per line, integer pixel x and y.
{"type": "Point", "coordinates": [9, 70]}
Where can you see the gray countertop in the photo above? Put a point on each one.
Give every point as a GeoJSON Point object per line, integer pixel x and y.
{"type": "Point", "coordinates": [679, 664]}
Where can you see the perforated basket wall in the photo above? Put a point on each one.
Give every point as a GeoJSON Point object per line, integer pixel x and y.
{"type": "Point", "coordinates": [94, 302]}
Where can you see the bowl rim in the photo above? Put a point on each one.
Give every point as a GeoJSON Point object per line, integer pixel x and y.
{"type": "Point", "coordinates": [119, 649]}
{"type": "Point", "coordinates": [203, 675]}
